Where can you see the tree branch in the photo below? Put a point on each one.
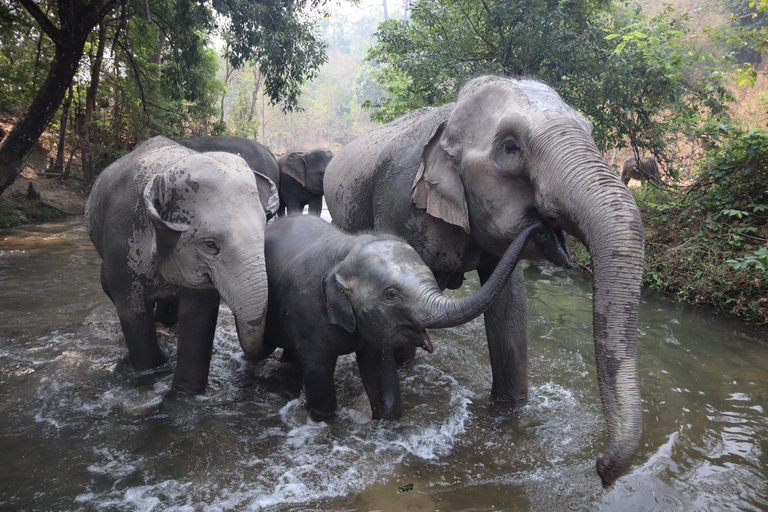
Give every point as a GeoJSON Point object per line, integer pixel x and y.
{"type": "Point", "coordinates": [45, 24]}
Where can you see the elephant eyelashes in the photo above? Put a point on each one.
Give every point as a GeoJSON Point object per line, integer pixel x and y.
{"type": "Point", "coordinates": [510, 147]}
{"type": "Point", "coordinates": [391, 295]}
{"type": "Point", "coordinates": [212, 246]}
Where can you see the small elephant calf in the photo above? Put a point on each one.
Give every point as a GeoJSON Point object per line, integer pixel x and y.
{"type": "Point", "coordinates": [333, 293]}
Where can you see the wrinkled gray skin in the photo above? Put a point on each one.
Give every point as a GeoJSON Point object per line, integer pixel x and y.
{"type": "Point", "coordinates": [301, 180]}
{"type": "Point", "coordinates": [459, 182]}
{"type": "Point", "coordinates": [358, 293]}
{"type": "Point", "coordinates": [257, 156]}
{"type": "Point", "coordinates": [645, 170]}
{"type": "Point", "coordinates": [173, 224]}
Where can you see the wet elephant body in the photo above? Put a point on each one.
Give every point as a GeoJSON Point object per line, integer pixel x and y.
{"type": "Point", "coordinates": [301, 180]}
{"type": "Point", "coordinates": [461, 181]}
{"type": "Point", "coordinates": [179, 227]}
{"type": "Point", "coordinates": [332, 293]}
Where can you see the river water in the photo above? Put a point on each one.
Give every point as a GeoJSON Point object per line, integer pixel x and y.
{"type": "Point", "coordinates": [80, 431]}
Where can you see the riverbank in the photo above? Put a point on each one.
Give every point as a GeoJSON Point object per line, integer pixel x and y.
{"type": "Point", "coordinates": [48, 199]}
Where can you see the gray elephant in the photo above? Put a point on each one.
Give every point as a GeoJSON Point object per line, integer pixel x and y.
{"type": "Point", "coordinates": [645, 169]}
{"type": "Point", "coordinates": [332, 293]}
{"type": "Point", "coordinates": [257, 156]}
{"type": "Point", "coordinates": [301, 180]}
{"type": "Point", "coordinates": [459, 182]}
{"type": "Point", "coordinates": [171, 223]}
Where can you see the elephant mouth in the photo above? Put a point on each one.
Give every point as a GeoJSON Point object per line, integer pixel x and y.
{"type": "Point", "coordinates": [426, 343]}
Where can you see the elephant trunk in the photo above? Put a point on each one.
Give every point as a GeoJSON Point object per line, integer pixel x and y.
{"type": "Point", "coordinates": [576, 188]}
{"type": "Point", "coordinates": [446, 312]}
{"type": "Point", "coordinates": [243, 287]}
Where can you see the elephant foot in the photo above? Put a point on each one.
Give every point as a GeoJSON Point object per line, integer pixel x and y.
{"type": "Point", "coordinates": [508, 401]}
{"type": "Point", "coordinates": [189, 387]}
{"type": "Point", "coordinates": [321, 416]}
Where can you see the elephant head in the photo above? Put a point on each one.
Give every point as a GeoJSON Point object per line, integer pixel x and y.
{"type": "Point", "coordinates": [208, 214]}
{"type": "Point", "coordinates": [384, 290]}
{"type": "Point", "coordinates": [514, 150]}
{"type": "Point", "coordinates": [308, 168]}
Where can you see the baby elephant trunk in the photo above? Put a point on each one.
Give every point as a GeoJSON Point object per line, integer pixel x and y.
{"type": "Point", "coordinates": [447, 312]}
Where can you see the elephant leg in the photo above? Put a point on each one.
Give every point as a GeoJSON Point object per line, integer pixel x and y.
{"type": "Point", "coordinates": [167, 311]}
{"type": "Point", "coordinates": [316, 205]}
{"type": "Point", "coordinates": [198, 310]}
{"type": "Point", "coordinates": [379, 374]}
{"type": "Point", "coordinates": [506, 326]}
{"type": "Point", "coordinates": [104, 285]}
{"type": "Point", "coordinates": [318, 385]}
{"type": "Point", "coordinates": [140, 336]}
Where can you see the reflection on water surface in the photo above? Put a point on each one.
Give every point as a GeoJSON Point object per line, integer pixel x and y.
{"type": "Point", "coordinates": [81, 431]}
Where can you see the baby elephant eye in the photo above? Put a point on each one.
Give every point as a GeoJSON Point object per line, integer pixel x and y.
{"type": "Point", "coordinates": [212, 246]}
{"type": "Point", "coordinates": [511, 147]}
{"type": "Point", "coordinates": [391, 295]}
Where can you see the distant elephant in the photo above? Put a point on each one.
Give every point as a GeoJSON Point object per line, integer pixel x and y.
{"type": "Point", "coordinates": [461, 181]}
{"type": "Point", "coordinates": [332, 293]}
{"type": "Point", "coordinates": [257, 156]}
{"type": "Point", "coordinates": [171, 223]}
{"type": "Point", "coordinates": [301, 180]}
{"type": "Point", "coordinates": [647, 170]}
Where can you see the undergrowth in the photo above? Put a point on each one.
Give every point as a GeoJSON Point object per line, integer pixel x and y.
{"type": "Point", "coordinates": [11, 215]}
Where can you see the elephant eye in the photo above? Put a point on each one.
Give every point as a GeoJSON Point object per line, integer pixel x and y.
{"type": "Point", "coordinates": [510, 147]}
{"type": "Point", "coordinates": [212, 246]}
{"type": "Point", "coordinates": [391, 295]}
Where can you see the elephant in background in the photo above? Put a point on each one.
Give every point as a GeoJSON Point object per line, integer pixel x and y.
{"type": "Point", "coordinates": [644, 169]}
{"type": "Point", "coordinates": [301, 180]}
{"type": "Point", "coordinates": [332, 293]}
{"type": "Point", "coordinates": [172, 224]}
{"type": "Point", "coordinates": [257, 156]}
{"type": "Point", "coordinates": [461, 181]}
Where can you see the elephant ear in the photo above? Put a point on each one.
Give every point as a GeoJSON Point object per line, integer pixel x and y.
{"type": "Point", "coordinates": [437, 187]}
{"type": "Point", "coordinates": [337, 303]}
{"type": "Point", "coordinates": [160, 200]}
{"type": "Point", "coordinates": [296, 167]}
{"type": "Point", "coordinates": [270, 201]}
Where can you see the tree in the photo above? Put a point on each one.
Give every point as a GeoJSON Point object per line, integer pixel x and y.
{"type": "Point", "coordinates": [277, 33]}
{"type": "Point", "coordinates": [630, 75]}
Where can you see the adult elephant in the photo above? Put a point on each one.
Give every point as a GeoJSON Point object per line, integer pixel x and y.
{"type": "Point", "coordinates": [257, 156]}
{"type": "Point", "coordinates": [641, 169]}
{"type": "Point", "coordinates": [301, 180]}
{"type": "Point", "coordinates": [173, 224]}
{"type": "Point", "coordinates": [460, 182]}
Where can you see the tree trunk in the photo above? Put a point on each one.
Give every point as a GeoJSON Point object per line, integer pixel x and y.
{"type": "Point", "coordinates": [90, 103]}
{"type": "Point", "coordinates": [58, 167]}
{"type": "Point", "coordinates": [19, 142]}
{"type": "Point", "coordinates": [386, 13]}
{"type": "Point", "coordinates": [257, 78]}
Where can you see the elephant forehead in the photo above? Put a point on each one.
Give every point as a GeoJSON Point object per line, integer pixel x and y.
{"type": "Point", "coordinates": [392, 257]}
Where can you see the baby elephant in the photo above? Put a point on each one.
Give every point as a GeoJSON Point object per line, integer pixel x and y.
{"type": "Point", "coordinates": [332, 293]}
{"type": "Point", "coordinates": [644, 170]}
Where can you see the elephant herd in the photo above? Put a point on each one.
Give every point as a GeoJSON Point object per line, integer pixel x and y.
{"type": "Point", "coordinates": [501, 174]}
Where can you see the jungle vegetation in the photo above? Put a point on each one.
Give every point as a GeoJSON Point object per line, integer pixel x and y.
{"type": "Point", "coordinates": [683, 81]}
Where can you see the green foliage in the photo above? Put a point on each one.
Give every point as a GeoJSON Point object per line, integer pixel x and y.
{"type": "Point", "coordinates": [640, 81]}
{"type": "Point", "coordinates": [709, 242]}
{"type": "Point", "coordinates": [10, 216]}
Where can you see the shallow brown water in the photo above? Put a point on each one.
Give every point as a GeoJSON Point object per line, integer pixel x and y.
{"type": "Point", "coordinates": [80, 431]}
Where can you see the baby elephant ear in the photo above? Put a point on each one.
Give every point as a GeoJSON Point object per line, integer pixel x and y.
{"type": "Point", "coordinates": [337, 304]}
{"type": "Point", "coordinates": [270, 201]}
{"type": "Point", "coordinates": [437, 187]}
{"type": "Point", "coordinates": [159, 199]}
{"type": "Point", "coordinates": [296, 167]}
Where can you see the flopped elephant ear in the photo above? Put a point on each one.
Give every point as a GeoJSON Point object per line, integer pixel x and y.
{"type": "Point", "coordinates": [159, 199]}
{"type": "Point", "coordinates": [337, 303]}
{"type": "Point", "coordinates": [437, 187]}
{"type": "Point", "coordinates": [296, 167]}
{"type": "Point", "coordinates": [270, 201]}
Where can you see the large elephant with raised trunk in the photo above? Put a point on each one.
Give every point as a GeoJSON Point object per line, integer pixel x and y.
{"type": "Point", "coordinates": [332, 293]}
{"type": "Point", "coordinates": [461, 181]}
{"type": "Point", "coordinates": [172, 224]}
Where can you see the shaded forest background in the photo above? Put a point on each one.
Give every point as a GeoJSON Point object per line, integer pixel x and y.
{"type": "Point", "coordinates": [683, 81]}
